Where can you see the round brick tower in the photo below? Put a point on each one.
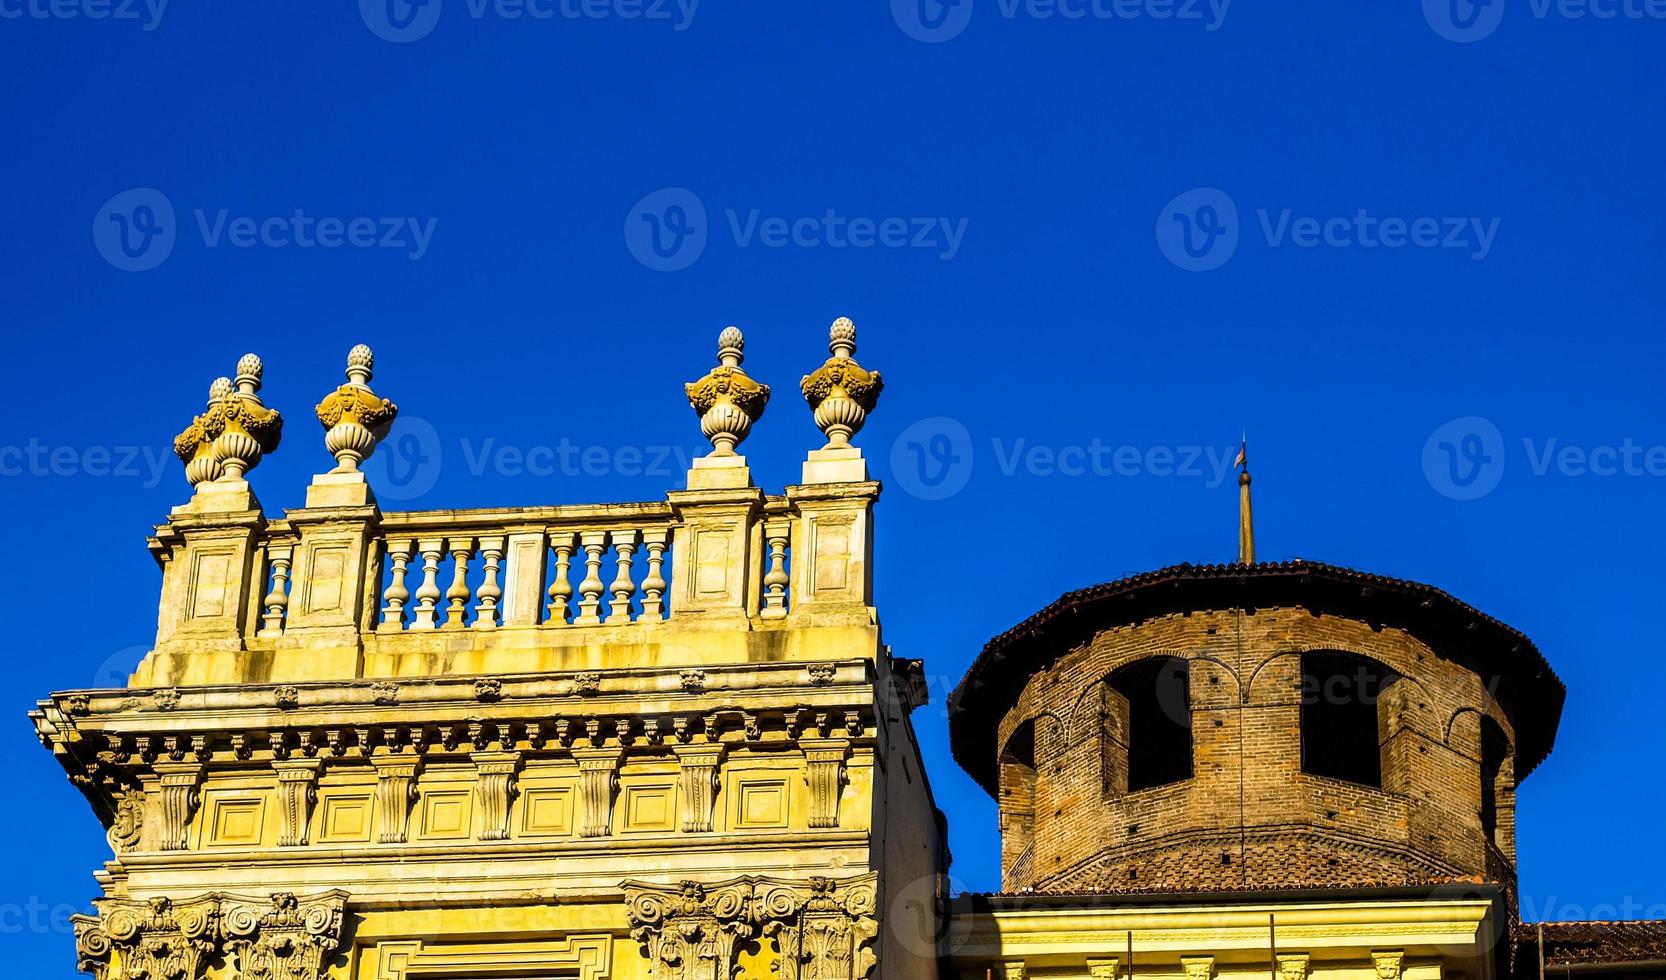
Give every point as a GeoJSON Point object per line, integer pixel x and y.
{"type": "Point", "coordinates": [1255, 725]}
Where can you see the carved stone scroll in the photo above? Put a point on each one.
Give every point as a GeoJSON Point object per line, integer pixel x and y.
{"type": "Point", "coordinates": [179, 797]}
{"type": "Point", "coordinates": [699, 780]}
{"type": "Point", "coordinates": [297, 794]}
{"type": "Point", "coordinates": [825, 771]}
{"type": "Point", "coordinates": [598, 783]}
{"type": "Point", "coordinates": [283, 937]}
{"type": "Point", "coordinates": [395, 792]}
{"type": "Point", "coordinates": [494, 790]}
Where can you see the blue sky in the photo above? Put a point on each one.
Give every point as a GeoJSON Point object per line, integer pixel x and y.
{"type": "Point", "coordinates": [1414, 252]}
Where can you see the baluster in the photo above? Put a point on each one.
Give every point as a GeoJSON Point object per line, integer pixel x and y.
{"type": "Point", "coordinates": [775, 582]}
{"type": "Point", "coordinates": [623, 586]}
{"type": "Point", "coordinates": [393, 612]}
{"type": "Point", "coordinates": [590, 590]}
{"type": "Point", "coordinates": [561, 590]}
{"type": "Point", "coordinates": [277, 600]}
{"type": "Point", "coordinates": [428, 593]}
{"type": "Point", "coordinates": [485, 612]}
{"type": "Point", "coordinates": [457, 596]}
{"type": "Point", "coordinates": [653, 586]}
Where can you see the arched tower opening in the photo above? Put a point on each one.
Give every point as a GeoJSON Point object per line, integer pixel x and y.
{"type": "Point", "coordinates": [1149, 728]}
{"type": "Point", "coordinates": [1341, 716]}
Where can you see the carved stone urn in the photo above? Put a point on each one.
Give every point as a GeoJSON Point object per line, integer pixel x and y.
{"type": "Point", "coordinates": [354, 418]}
{"type": "Point", "coordinates": [727, 400]}
{"type": "Point", "coordinates": [231, 435]}
{"type": "Point", "coordinates": [841, 392]}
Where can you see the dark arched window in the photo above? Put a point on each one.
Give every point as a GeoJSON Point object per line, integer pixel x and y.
{"type": "Point", "coordinates": [1340, 694]}
{"type": "Point", "coordinates": [1496, 780]}
{"type": "Point", "coordinates": [1150, 711]}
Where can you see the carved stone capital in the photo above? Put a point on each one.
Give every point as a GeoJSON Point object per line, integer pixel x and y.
{"type": "Point", "coordinates": [282, 937]}
{"type": "Point", "coordinates": [823, 928]}
{"type": "Point", "coordinates": [1198, 967]}
{"type": "Point", "coordinates": [1104, 969]}
{"type": "Point", "coordinates": [157, 939]}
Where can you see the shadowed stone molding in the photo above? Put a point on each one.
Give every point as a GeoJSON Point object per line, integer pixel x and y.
{"type": "Point", "coordinates": [280, 937]}
{"type": "Point", "coordinates": [822, 927]}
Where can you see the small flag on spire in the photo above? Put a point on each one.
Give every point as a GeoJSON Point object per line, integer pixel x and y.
{"type": "Point", "coordinates": [1242, 462]}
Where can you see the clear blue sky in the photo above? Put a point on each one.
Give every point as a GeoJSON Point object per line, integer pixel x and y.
{"type": "Point", "coordinates": [1068, 291]}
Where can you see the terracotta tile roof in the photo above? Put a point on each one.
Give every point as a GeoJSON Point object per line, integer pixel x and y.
{"type": "Point", "coordinates": [1576, 943]}
{"type": "Point", "coordinates": [997, 676]}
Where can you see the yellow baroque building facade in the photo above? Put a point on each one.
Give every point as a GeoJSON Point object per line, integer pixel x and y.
{"type": "Point", "coordinates": [667, 740]}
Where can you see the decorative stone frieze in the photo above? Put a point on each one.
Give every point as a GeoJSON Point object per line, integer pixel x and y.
{"type": "Point", "coordinates": [823, 927]}
{"type": "Point", "coordinates": [698, 779]}
{"type": "Point", "coordinates": [281, 937]}
{"type": "Point", "coordinates": [825, 771]}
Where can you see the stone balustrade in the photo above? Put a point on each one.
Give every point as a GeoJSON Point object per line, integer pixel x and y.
{"type": "Point", "coordinates": [340, 589]}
